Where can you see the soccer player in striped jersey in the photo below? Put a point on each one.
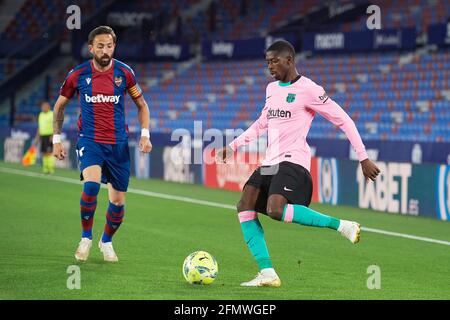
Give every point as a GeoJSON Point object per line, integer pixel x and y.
{"type": "Point", "coordinates": [102, 147]}
{"type": "Point", "coordinates": [282, 186]}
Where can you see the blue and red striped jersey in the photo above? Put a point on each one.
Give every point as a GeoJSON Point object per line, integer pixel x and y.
{"type": "Point", "coordinates": [102, 99]}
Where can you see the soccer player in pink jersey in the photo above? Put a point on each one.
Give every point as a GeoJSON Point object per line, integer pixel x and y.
{"type": "Point", "coordinates": [282, 186]}
{"type": "Point", "coordinates": [102, 147]}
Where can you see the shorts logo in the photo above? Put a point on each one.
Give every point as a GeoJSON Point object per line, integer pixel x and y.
{"type": "Point", "coordinates": [286, 189]}
{"type": "Point", "coordinates": [290, 98]}
{"type": "Point", "coordinates": [118, 81]}
{"type": "Point", "coordinates": [80, 152]}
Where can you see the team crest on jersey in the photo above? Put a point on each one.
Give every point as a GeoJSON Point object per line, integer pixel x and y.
{"type": "Point", "coordinates": [290, 98]}
{"type": "Point", "coordinates": [118, 81]}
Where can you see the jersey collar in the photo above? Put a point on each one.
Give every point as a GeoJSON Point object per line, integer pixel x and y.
{"type": "Point", "coordinates": [285, 84]}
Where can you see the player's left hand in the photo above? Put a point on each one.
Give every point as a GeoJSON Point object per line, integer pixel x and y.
{"type": "Point", "coordinates": [223, 154]}
{"type": "Point", "coordinates": [370, 170]}
{"type": "Point", "coordinates": [145, 145]}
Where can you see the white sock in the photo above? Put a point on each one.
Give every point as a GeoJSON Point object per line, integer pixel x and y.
{"type": "Point", "coordinates": [269, 272]}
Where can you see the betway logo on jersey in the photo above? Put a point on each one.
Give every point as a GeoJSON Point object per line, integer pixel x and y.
{"type": "Point", "coordinates": [272, 113]}
{"type": "Point", "coordinates": [102, 98]}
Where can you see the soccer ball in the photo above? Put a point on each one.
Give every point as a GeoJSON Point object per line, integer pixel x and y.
{"type": "Point", "coordinates": [200, 268]}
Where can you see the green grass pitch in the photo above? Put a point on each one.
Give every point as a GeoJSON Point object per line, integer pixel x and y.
{"type": "Point", "coordinates": [40, 230]}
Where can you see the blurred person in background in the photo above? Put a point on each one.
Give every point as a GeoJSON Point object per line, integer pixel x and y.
{"type": "Point", "coordinates": [44, 136]}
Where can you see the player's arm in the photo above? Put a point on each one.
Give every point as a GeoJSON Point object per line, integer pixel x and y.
{"type": "Point", "coordinates": [135, 92]}
{"type": "Point", "coordinates": [330, 110]}
{"type": "Point", "coordinates": [66, 92]}
{"type": "Point", "coordinates": [58, 119]}
{"type": "Point", "coordinates": [144, 119]}
{"type": "Point", "coordinates": [253, 132]}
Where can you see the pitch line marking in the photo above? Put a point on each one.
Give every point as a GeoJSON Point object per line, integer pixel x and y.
{"type": "Point", "coordinates": [200, 202]}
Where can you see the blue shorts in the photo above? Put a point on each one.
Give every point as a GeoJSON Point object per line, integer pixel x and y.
{"type": "Point", "coordinates": [114, 159]}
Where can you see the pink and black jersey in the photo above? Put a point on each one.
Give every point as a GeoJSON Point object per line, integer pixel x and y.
{"type": "Point", "coordinates": [102, 99]}
{"type": "Point", "coordinates": [287, 116]}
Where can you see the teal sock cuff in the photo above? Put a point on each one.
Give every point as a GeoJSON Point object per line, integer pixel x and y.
{"type": "Point", "coordinates": [254, 237]}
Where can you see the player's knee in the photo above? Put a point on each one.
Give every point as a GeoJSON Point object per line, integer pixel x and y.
{"type": "Point", "coordinates": [117, 201]}
{"type": "Point", "coordinates": [275, 213]}
{"type": "Point", "coordinates": [91, 188]}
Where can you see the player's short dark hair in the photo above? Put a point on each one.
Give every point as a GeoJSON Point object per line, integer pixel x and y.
{"type": "Point", "coordinates": [282, 46]}
{"type": "Point", "coordinates": [101, 30]}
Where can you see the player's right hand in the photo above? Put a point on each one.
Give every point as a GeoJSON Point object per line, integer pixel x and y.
{"type": "Point", "coordinates": [58, 151]}
{"type": "Point", "coordinates": [223, 154]}
{"type": "Point", "coordinates": [370, 170]}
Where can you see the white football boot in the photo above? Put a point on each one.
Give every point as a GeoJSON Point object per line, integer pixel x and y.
{"type": "Point", "coordinates": [84, 247]}
{"type": "Point", "coordinates": [351, 230]}
{"type": "Point", "coordinates": [264, 278]}
{"type": "Point", "coordinates": [108, 251]}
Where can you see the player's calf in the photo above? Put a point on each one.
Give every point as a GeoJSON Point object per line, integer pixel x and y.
{"type": "Point", "coordinates": [88, 205]}
{"type": "Point", "coordinates": [254, 238]}
{"type": "Point", "coordinates": [248, 199]}
{"type": "Point", "coordinates": [303, 215]}
{"type": "Point", "coordinates": [308, 217]}
{"type": "Point", "coordinates": [114, 218]}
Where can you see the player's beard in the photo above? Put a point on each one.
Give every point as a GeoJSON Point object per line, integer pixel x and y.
{"type": "Point", "coordinates": [274, 75]}
{"type": "Point", "coordinates": [103, 61]}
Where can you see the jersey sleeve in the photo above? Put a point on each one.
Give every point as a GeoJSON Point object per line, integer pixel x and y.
{"type": "Point", "coordinates": [133, 89]}
{"type": "Point", "coordinates": [330, 110]}
{"type": "Point", "coordinates": [254, 131]}
{"type": "Point", "coordinates": [69, 86]}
